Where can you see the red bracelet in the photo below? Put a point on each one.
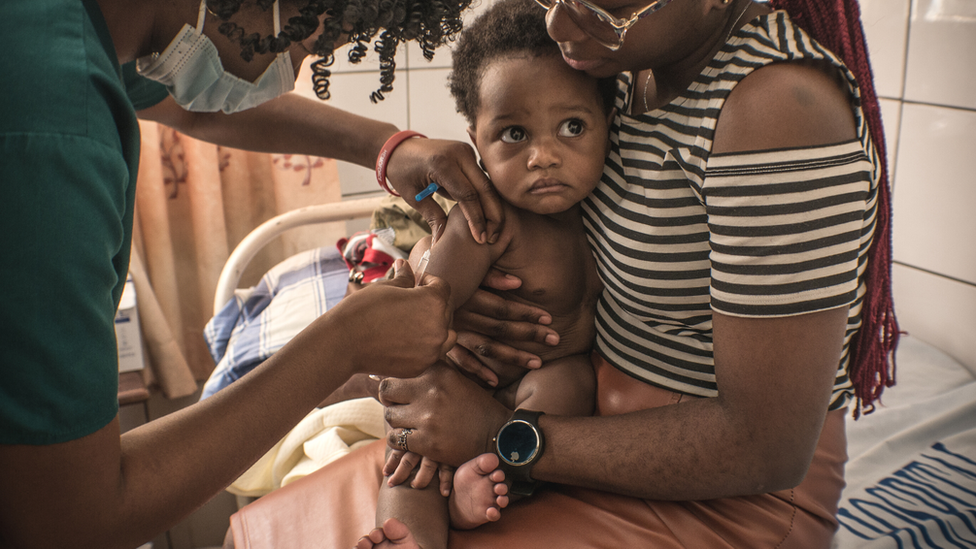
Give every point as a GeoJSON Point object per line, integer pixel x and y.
{"type": "Point", "coordinates": [381, 161]}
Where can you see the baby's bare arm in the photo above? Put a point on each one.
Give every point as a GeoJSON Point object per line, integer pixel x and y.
{"type": "Point", "coordinates": [458, 259]}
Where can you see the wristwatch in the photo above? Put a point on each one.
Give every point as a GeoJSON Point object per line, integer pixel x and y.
{"type": "Point", "coordinates": [519, 444]}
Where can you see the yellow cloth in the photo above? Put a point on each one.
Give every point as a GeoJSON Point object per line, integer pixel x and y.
{"type": "Point", "coordinates": [325, 435]}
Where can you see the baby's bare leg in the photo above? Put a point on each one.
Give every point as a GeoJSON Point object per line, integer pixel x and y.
{"type": "Point", "coordinates": [565, 387]}
{"type": "Point", "coordinates": [423, 511]}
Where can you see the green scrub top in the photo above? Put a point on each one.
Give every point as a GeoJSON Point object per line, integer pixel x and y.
{"type": "Point", "coordinates": [69, 155]}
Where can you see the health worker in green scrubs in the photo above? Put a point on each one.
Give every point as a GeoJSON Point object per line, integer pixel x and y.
{"type": "Point", "coordinates": [77, 74]}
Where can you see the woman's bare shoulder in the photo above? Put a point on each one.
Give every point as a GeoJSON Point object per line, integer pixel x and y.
{"type": "Point", "coordinates": [786, 105]}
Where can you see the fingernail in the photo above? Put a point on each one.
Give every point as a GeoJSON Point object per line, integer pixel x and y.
{"type": "Point", "coordinates": [552, 339]}
{"type": "Point", "coordinates": [535, 363]}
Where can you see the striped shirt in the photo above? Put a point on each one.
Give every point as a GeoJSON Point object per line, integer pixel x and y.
{"type": "Point", "coordinates": [679, 232]}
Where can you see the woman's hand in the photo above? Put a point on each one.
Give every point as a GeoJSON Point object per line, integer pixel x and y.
{"type": "Point", "coordinates": [416, 163]}
{"type": "Point", "coordinates": [451, 418]}
{"type": "Point", "coordinates": [393, 328]}
{"type": "Point", "coordinates": [487, 318]}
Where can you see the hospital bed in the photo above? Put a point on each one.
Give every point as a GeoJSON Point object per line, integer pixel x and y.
{"type": "Point", "coordinates": [911, 474]}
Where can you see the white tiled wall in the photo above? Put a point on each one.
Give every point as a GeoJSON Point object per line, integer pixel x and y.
{"type": "Point", "coordinates": [924, 59]}
{"type": "Point", "coordinates": [941, 64]}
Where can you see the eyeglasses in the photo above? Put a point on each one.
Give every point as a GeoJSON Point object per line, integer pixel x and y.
{"type": "Point", "coordinates": [606, 29]}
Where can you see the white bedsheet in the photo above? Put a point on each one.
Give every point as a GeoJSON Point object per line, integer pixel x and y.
{"type": "Point", "coordinates": [911, 474]}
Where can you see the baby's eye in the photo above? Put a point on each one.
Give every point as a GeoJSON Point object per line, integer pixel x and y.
{"type": "Point", "coordinates": [513, 134]}
{"type": "Point", "coordinates": [571, 128]}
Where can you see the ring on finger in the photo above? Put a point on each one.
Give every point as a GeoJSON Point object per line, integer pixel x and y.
{"type": "Point", "coordinates": [402, 439]}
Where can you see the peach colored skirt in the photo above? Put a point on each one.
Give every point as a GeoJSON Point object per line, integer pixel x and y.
{"type": "Point", "coordinates": [335, 506]}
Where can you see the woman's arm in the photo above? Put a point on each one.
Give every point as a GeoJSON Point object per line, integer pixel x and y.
{"type": "Point", "coordinates": [775, 378]}
{"type": "Point", "coordinates": [295, 124]}
{"type": "Point", "coordinates": [106, 490]}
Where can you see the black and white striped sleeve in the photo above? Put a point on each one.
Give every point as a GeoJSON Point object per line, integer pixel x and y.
{"type": "Point", "coordinates": [789, 229]}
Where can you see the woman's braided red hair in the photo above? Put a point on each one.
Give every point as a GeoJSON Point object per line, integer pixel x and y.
{"type": "Point", "coordinates": [836, 25]}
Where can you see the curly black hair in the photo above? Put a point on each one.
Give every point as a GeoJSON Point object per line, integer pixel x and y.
{"type": "Point", "coordinates": [430, 23]}
{"type": "Point", "coordinates": [508, 27]}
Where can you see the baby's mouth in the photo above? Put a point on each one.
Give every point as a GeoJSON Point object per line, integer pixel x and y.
{"type": "Point", "coordinates": [546, 185]}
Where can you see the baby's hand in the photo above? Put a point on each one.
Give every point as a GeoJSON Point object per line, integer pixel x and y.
{"type": "Point", "coordinates": [400, 464]}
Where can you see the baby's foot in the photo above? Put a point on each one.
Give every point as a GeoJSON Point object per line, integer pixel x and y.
{"type": "Point", "coordinates": [479, 494]}
{"type": "Point", "coordinates": [393, 534]}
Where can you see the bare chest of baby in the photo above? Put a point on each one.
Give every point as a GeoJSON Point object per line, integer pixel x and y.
{"type": "Point", "coordinates": [555, 263]}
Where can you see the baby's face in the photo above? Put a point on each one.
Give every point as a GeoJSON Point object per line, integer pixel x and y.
{"type": "Point", "coordinates": [541, 132]}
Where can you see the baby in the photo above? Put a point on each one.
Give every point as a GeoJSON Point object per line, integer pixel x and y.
{"type": "Point", "coordinates": [541, 129]}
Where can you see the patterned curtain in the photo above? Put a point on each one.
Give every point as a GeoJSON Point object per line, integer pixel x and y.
{"type": "Point", "coordinates": [194, 203]}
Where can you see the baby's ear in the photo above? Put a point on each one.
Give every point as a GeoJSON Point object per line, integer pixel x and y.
{"type": "Point", "coordinates": [473, 135]}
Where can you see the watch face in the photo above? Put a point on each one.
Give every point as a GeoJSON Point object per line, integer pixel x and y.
{"type": "Point", "coordinates": [518, 443]}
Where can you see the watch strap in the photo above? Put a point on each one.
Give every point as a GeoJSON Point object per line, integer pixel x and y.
{"type": "Point", "coordinates": [524, 488]}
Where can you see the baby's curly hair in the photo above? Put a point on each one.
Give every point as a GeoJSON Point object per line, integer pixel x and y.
{"type": "Point", "coordinates": [508, 27]}
{"type": "Point", "coordinates": [430, 23]}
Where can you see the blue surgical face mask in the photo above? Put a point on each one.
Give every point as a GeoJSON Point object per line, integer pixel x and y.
{"type": "Point", "coordinates": [191, 70]}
